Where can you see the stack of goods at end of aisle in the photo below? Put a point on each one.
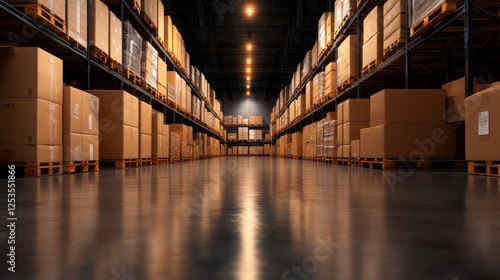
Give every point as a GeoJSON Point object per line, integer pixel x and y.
{"type": "Point", "coordinates": [372, 39]}
{"type": "Point", "coordinates": [76, 21]}
{"type": "Point", "coordinates": [132, 51]}
{"type": "Point", "coordinates": [80, 128]}
{"type": "Point", "coordinates": [400, 129]}
{"type": "Point", "coordinates": [394, 18]}
{"type": "Point", "coordinates": [31, 98]}
{"type": "Point", "coordinates": [173, 87]}
{"type": "Point", "coordinates": [318, 88]}
{"type": "Point", "coordinates": [347, 63]}
{"type": "Point", "coordinates": [118, 125]}
{"type": "Point", "coordinates": [353, 115]}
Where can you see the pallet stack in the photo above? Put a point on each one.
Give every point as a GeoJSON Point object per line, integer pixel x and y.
{"type": "Point", "coordinates": [132, 53]}
{"type": "Point", "coordinates": [331, 80]}
{"type": "Point", "coordinates": [76, 23]}
{"type": "Point", "coordinates": [115, 43]}
{"type": "Point", "coordinates": [394, 26]}
{"type": "Point", "coordinates": [51, 13]}
{"type": "Point", "coordinates": [297, 146]}
{"type": "Point", "coordinates": [31, 98]}
{"type": "Point", "coordinates": [347, 63]}
{"type": "Point", "coordinates": [372, 39]}
{"type": "Point", "coordinates": [344, 11]}
{"type": "Point", "coordinates": [99, 30]}
{"type": "Point", "coordinates": [318, 88]}
{"type": "Point", "coordinates": [149, 68]}
{"type": "Point", "coordinates": [158, 147]}
{"type": "Point", "coordinates": [353, 115]}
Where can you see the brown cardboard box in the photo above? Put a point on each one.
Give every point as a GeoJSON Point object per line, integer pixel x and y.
{"type": "Point", "coordinates": [168, 34]}
{"type": "Point", "coordinates": [455, 100]}
{"type": "Point", "coordinates": [340, 113]}
{"type": "Point", "coordinates": [391, 3]}
{"type": "Point", "coordinates": [373, 24]}
{"type": "Point", "coordinates": [162, 72]}
{"type": "Point", "coordinates": [72, 145]}
{"type": "Point", "coordinates": [99, 25]}
{"type": "Point", "coordinates": [158, 146]}
{"type": "Point", "coordinates": [31, 73]}
{"type": "Point", "coordinates": [372, 50]}
{"type": "Point", "coordinates": [351, 131]}
{"type": "Point", "coordinates": [355, 110]}
{"type": "Point", "coordinates": [145, 146]}
{"type": "Point", "coordinates": [37, 122]}
{"type": "Point", "coordinates": [398, 23]}
{"type": "Point", "coordinates": [482, 125]}
{"type": "Point", "coordinates": [166, 142]}
{"type": "Point", "coordinates": [158, 123]}
{"type": "Point", "coordinates": [31, 153]}
{"type": "Point", "coordinates": [90, 114]}
{"type": "Point", "coordinates": [346, 151]}
{"type": "Point", "coordinates": [331, 116]}
{"type": "Point", "coordinates": [150, 9]}
{"type": "Point", "coordinates": [72, 110]}
{"type": "Point", "coordinates": [400, 33]}
{"type": "Point", "coordinates": [340, 152]}
{"type": "Point", "coordinates": [355, 149]}
{"type": "Point", "coordinates": [145, 118]}
{"type": "Point", "coordinates": [347, 59]}
{"type": "Point", "coordinates": [181, 130]}
{"type": "Point", "coordinates": [117, 107]}
{"type": "Point", "coordinates": [115, 38]}
{"type": "Point", "coordinates": [406, 106]}
{"type": "Point", "coordinates": [118, 141]}
{"type": "Point", "coordinates": [90, 147]}
{"type": "Point", "coordinates": [390, 13]}
{"type": "Point", "coordinates": [161, 21]}
{"type": "Point", "coordinates": [76, 21]}
{"type": "Point", "coordinates": [340, 134]}
{"type": "Point", "coordinates": [418, 141]}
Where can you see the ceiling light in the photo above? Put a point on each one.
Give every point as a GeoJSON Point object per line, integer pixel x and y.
{"type": "Point", "coordinates": [249, 60]}
{"type": "Point", "coordinates": [249, 70]}
{"type": "Point", "coordinates": [248, 86]}
{"type": "Point", "coordinates": [250, 11]}
{"type": "Point", "coordinates": [248, 92]}
{"type": "Point", "coordinates": [248, 78]}
{"type": "Point", "coordinates": [249, 46]}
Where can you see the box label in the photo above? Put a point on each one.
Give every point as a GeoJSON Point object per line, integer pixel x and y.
{"type": "Point", "coordinates": [91, 150]}
{"type": "Point", "coordinates": [484, 123]}
{"type": "Point", "coordinates": [77, 153]}
{"type": "Point", "coordinates": [90, 122]}
{"type": "Point", "coordinates": [52, 157]}
{"type": "Point", "coordinates": [76, 115]}
{"type": "Point", "coordinates": [78, 16]}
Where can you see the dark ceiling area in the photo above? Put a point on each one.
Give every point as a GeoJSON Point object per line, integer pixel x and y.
{"type": "Point", "coordinates": [216, 34]}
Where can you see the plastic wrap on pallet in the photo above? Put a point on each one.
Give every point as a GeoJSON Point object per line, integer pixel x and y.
{"type": "Point", "coordinates": [306, 64]}
{"type": "Point", "coordinates": [132, 48]}
{"type": "Point", "coordinates": [319, 139]}
{"type": "Point", "coordinates": [421, 8]}
{"type": "Point", "coordinates": [76, 21]}
{"type": "Point", "coordinates": [175, 145]}
{"type": "Point", "coordinates": [149, 65]}
{"type": "Point", "coordinates": [322, 33]}
{"type": "Point", "coordinates": [338, 14]}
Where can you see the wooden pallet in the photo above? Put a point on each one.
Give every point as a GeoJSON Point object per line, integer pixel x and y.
{"type": "Point", "coordinates": [394, 47]}
{"type": "Point", "coordinates": [43, 15]}
{"type": "Point", "coordinates": [344, 161]}
{"type": "Point", "coordinates": [120, 163]}
{"type": "Point", "coordinates": [37, 169]}
{"type": "Point", "coordinates": [80, 166]}
{"type": "Point", "coordinates": [115, 66]}
{"type": "Point", "coordinates": [346, 19]}
{"type": "Point", "coordinates": [147, 87]}
{"type": "Point", "coordinates": [175, 160]}
{"type": "Point", "coordinates": [420, 165]}
{"type": "Point", "coordinates": [144, 162]}
{"type": "Point", "coordinates": [76, 44]}
{"type": "Point", "coordinates": [160, 161]}
{"type": "Point", "coordinates": [149, 23]}
{"type": "Point", "coordinates": [437, 15]}
{"type": "Point", "coordinates": [345, 84]}
{"type": "Point", "coordinates": [484, 168]}
{"type": "Point", "coordinates": [371, 66]}
{"type": "Point", "coordinates": [99, 54]}
{"type": "Point", "coordinates": [134, 78]}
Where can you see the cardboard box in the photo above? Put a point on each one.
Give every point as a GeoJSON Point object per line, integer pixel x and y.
{"type": "Point", "coordinates": [396, 36]}
{"type": "Point", "coordinates": [76, 21]}
{"type": "Point", "coordinates": [118, 141]}
{"type": "Point", "coordinates": [32, 122]}
{"type": "Point", "coordinates": [398, 23]}
{"type": "Point", "coordinates": [31, 153]}
{"type": "Point", "coordinates": [145, 118]}
{"type": "Point", "coordinates": [161, 21]}
{"type": "Point", "coordinates": [418, 141]}
{"type": "Point", "coordinates": [158, 146]}
{"type": "Point", "coordinates": [72, 110]}
{"type": "Point", "coordinates": [373, 50]}
{"type": "Point", "coordinates": [408, 106]}
{"type": "Point", "coordinates": [99, 25]}
{"type": "Point", "coordinates": [373, 24]}
{"type": "Point", "coordinates": [181, 130]}
{"type": "Point", "coordinates": [355, 110]}
{"type": "Point", "coordinates": [351, 131]}
{"type": "Point", "coordinates": [168, 34]}
{"type": "Point", "coordinates": [150, 9]}
{"type": "Point", "coordinates": [157, 123]}
{"type": "Point", "coordinates": [482, 125]}
{"type": "Point", "coordinates": [115, 38]}
{"type": "Point", "coordinates": [166, 140]}
{"type": "Point", "coordinates": [347, 59]}
{"type": "Point", "coordinates": [340, 152]}
{"type": "Point", "coordinates": [90, 114]}
{"type": "Point", "coordinates": [162, 72]}
{"type": "Point", "coordinates": [117, 107]}
{"type": "Point", "coordinates": [355, 149]}
{"type": "Point", "coordinates": [31, 73]}
{"type": "Point", "coordinates": [145, 146]}
{"type": "Point", "coordinates": [391, 13]}
{"type": "Point", "coordinates": [72, 145]}
{"type": "Point", "coordinates": [340, 134]}
{"type": "Point", "coordinates": [455, 100]}
{"type": "Point", "coordinates": [90, 147]}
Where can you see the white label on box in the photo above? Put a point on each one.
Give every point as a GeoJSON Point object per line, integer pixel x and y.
{"type": "Point", "coordinates": [76, 115]}
{"type": "Point", "coordinates": [91, 149]}
{"type": "Point", "coordinates": [78, 16]}
{"type": "Point", "coordinates": [77, 153]}
{"type": "Point", "coordinates": [90, 122]}
{"type": "Point", "coordinates": [484, 123]}
{"type": "Point", "coordinates": [52, 157]}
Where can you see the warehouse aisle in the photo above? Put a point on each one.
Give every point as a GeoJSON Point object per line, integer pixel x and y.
{"type": "Point", "coordinates": [256, 218]}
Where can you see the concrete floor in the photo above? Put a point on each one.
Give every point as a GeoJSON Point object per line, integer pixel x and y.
{"type": "Point", "coordinates": [255, 218]}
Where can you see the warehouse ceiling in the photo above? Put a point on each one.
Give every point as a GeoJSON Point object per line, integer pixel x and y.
{"type": "Point", "coordinates": [216, 34]}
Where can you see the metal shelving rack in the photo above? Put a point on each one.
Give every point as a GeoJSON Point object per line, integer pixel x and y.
{"type": "Point", "coordinates": [400, 64]}
{"type": "Point", "coordinates": [34, 33]}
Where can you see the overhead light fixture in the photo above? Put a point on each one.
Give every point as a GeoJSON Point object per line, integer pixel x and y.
{"type": "Point", "coordinates": [248, 92]}
{"type": "Point", "coordinates": [248, 78]}
{"type": "Point", "coordinates": [249, 70]}
{"type": "Point", "coordinates": [249, 46]}
{"type": "Point", "coordinates": [249, 61]}
{"type": "Point", "coordinates": [250, 10]}
{"type": "Point", "coordinates": [248, 86]}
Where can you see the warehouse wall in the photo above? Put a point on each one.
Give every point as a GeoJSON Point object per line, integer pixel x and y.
{"type": "Point", "coordinates": [247, 106]}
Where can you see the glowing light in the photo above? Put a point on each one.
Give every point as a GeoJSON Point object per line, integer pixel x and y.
{"type": "Point", "coordinates": [249, 46]}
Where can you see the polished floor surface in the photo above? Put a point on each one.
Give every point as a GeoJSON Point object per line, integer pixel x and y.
{"type": "Point", "coordinates": [255, 218]}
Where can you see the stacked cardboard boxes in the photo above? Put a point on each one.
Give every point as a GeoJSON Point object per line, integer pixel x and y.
{"type": "Point", "coordinates": [400, 129]}
{"type": "Point", "coordinates": [174, 86]}
{"type": "Point", "coordinates": [186, 139]}
{"type": "Point", "coordinates": [347, 61]}
{"type": "Point", "coordinates": [309, 95]}
{"type": "Point", "coordinates": [145, 130]}
{"type": "Point", "coordinates": [353, 115]}
{"type": "Point", "coordinates": [394, 23]}
{"type": "Point", "coordinates": [118, 125]}
{"type": "Point", "coordinates": [331, 80]}
{"type": "Point", "coordinates": [175, 145]}
{"type": "Point", "coordinates": [99, 26]}
{"type": "Point", "coordinates": [309, 140]}
{"type": "Point", "coordinates": [115, 39]}
{"type": "Point", "coordinates": [132, 49]}
{"type": "Point", "coordinates": [76, 21]}
{"type": "Point", "coordinates": [297, 145]}
{"type": "Point", "coordinates": [80, 126]}
{"type": "Point", "coordinates": [243, 133]}
{"type": "Point", "coordinates": [306, 65]}
{"type": "Point", "coordinates": [324, 33]}
{"type": "Point", "coordinates": [149, 9]}
{"type": "Point", "coordinates": [162, 78]}
{"type": "Point", "coordinates": [344, 10]}
{"type": "Point", "coordinates": [318, 88]}
{"type": "Point", "coordinates": [161, 22]}
{"type": "Point", "coordinates": [373, 38]}
{"type": "Point", "coordinates": [149, 65]}
{"type": "Point", "coordinates": [158, 147]}
{"type": "Point", "coordinates": [30, 108]}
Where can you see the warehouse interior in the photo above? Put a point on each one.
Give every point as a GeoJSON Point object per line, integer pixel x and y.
{"type": "Point", "coordinates": [249, 139]}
